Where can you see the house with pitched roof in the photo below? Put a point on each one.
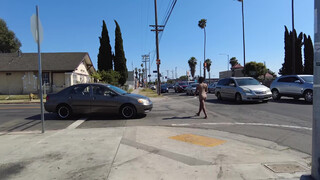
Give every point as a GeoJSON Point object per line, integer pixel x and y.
{"type": "Point", "coordinates": [19, 71]}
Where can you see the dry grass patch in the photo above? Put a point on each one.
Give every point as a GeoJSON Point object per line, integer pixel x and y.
{"type": "Point", "coordinates": [149, 93]}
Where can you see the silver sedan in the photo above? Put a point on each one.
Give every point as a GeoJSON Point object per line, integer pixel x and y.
{"type": "Point", "coordinates": [242, 89]}
{"type": "Point", "coordinates": [96, 98]}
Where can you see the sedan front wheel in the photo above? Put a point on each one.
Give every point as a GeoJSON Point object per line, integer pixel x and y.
{"type": "Point", "coordinates": [128, 111]}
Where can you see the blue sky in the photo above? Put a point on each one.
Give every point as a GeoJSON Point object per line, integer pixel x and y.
{"type": "Point", "coordinates": [75, 25]}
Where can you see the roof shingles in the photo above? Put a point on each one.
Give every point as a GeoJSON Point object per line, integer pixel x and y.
{"type": "Point", "coordinates": [50, 61]}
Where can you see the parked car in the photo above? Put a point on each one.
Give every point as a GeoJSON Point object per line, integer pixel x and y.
{"type": "Point", "coordinates": [170, 86]}
{"type": "Point", "coordinates": [191, 89]}
{"type": "Point", "coordinates": [96, 98]}
{"type": "Point", "coordinates": [212, 87]}
{"type": "Point", "coordinates": [164, 88]}
{"type": "Point", "coordinates": [153, 87]}
{"type": "Point", "coordinates": [295, 86]}
{"type": "Point", "coordinates": [180, 86]}
{"type": "Point", "coordinates": [242, 89]}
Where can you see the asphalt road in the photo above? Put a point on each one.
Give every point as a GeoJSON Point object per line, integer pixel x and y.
{"type": "Point", "coordinates": [286, 122]}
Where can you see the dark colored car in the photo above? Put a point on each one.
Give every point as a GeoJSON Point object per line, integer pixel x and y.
{"type": "Point", "coordinates": [180, 86]}
{"type": "Point", "coordinates": [96, 98]}
{"type": "Point", "coordinates": [164, 88]}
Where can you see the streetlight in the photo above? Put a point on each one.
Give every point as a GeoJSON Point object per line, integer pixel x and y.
{"type": "Point", "coordinates": [244, 46]}
{"type": "Point", "coordinates": [227, 59]}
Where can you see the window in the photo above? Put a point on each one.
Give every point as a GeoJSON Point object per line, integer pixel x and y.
{"type": "Point", "coordinates": [81, 90]}
{"type": "Point", "coordinates": [8, 74]}
{"type": "Point", "coordinates": [100, 91]}
{"type": "Point", "coordinates": [45, 78]}
{"type": "Point", "coordinates": [223, 82]}
{"type": "Point", "coordinates": [285, 79]}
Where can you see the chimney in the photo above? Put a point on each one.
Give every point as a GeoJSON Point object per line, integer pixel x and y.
{"type": "Point", "coordinates": [19, 53]}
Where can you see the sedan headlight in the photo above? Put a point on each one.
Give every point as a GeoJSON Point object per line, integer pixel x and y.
{"type": "Point", "coordinates": [247, 91]}
{"type": "Point", "coordinates": [143, 101]}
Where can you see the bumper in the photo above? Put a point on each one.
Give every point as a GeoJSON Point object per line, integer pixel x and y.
{"type": "Point", "coordinates": [49, 107]}
{"type": "Point", "coordinates": [143, 109]}
{"type": "Point", "coordinates": [261, 97]}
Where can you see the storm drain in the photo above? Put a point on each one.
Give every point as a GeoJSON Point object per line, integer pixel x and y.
{"type": "Point", "coordinates": [291, 167]}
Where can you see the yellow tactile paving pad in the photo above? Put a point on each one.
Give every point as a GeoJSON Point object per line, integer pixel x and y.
{"type": "Point", "coordinates": [198, 140]}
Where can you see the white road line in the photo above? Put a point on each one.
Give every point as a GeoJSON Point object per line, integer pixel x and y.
{"type": "Point", "coordinates": [247, 124]}
{"type": "Point", "coordinates": [76, 124]}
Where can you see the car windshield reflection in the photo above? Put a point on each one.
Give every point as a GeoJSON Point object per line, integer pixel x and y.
{"type": "Point", "coordinates": [246, 82]}
{"type": "Point", "coordinates": [308, 79]}
{"type": "Point", "coordinates": [117, 90]}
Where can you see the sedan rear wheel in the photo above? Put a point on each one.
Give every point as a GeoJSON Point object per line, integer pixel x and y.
{"type": "Point", "coordinates": [275, 94]}
{"type": "Point", "coordinates": [128, 111]}
{"type": "Point", "coordinates": [308, 96]}
{"type": "Point", "coordinates": [238, 98]}
{"type": "Point", "coordinates": [219, 96]}
{"type": "Point", "coordinates": [64, 112]}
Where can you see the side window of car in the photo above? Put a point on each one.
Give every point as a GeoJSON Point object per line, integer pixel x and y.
{"type": "Point", "coordinates": [285, 79]}
{"type": "Point", "coordinates": [295, 80]}
{"type": "Point", "coordinates": [101, 91]}
{"type": "Point", "coordinates": [231, 82]}
{"type": "Point", "coordinates": [81, 90]}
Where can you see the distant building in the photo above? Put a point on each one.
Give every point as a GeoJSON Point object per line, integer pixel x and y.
{"type": "Point", "coordinates": [236, 71]}
{"type": "Point", "coordinates": [19, 71]}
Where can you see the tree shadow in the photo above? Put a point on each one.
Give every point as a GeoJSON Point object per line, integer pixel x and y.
{"type": "Point", "coordinates": [291, 101]}
{"type": "Point", "coordinates": [232, 102]}
{"type": "Point", "coordinates": [183, 117]}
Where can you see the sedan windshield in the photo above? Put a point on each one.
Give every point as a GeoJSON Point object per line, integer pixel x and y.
{"type": "Point", "coordinates": [117, 90]}
{"type": "Point", "coordinates": [308, 79]}
{"type": "Point", "coordinates": [247, 81]}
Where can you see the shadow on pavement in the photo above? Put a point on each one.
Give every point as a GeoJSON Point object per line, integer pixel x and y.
{"type": "Point", "coordinates": [184, 117]}
{"type": "Point", "coordinates": [112, 117]}
{"type": "Point", "coordinates": [50, 116]}
{"type": "Point", "coordinates": [231, 102]}
{"type": "Point", "coordinates": [291, 101]}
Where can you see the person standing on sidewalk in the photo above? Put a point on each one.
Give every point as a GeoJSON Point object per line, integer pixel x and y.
{"type": "Point", "coordinates": [202, 88]}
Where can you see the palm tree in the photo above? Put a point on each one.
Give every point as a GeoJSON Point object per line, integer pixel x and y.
{"type": "Point", "coordinates": [202, 24]}
{"type": "Point", "coordinates": [192, 64]}
{"type": "Point", "coordinates": [139, 75]}
{"type": "Point", "coordinates": [208, 63]}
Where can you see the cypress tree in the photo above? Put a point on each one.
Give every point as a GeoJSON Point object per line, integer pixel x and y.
{"type": "Point", "coordinates": [308, 55]}
{"type": "Point", "coordinates": [105, 54]}
{"type": "Point", "coordinates": [287, 65]}
{"type": "Point", "coordinates": [120, 61]}
{"type": "Point", "coordinates": [298, 61]}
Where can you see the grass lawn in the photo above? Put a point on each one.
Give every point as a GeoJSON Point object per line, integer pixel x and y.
{"type": "Point", "coordinates": [18, 97]}
{"type": "Point", "coordinates": [149, 93]}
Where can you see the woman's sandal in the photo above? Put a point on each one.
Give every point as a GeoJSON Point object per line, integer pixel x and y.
{"type": "Point", "coordinates": [197, 114]}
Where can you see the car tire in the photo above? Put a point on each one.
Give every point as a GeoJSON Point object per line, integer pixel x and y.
{"type": "Point", "coordinates": [238, 98]}
{"type": "Point", "coordinates": [308, 96]}
{"type": "Point", "coordinates": [128, 111]}
{"type": "Point", "coordinates": [219, 96]}
{"type": "Point", "coordinates": [265, 101]}
{"type": "Point", "coordinates": [275, 94]}
{"type": "Point", "coordinates": [64, 111]}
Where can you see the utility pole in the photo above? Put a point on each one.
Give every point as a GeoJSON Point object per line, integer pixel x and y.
{"type": "Point", "coordinates": [315, 170]}
{"type": "Point", "coordinates": [145, 59]}
{"type": "Point", "coordinates": [200, 69]}
{"type": "Point", "coordinates": [157, 43]}
{"type": "Point", "coordinates": [293, 42]}
{"type": "Point", "coordinates": [172, 74]}
{"type": "Point", "coordinates": [176, 73]}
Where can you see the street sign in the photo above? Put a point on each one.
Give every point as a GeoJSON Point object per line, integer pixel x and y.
{"type": "Point", "coordinates": [158, 61]}
{"type": "Point", "coordinates": [149, 75]}
{"type": "Point", "coordinates": [155, 71]}
{"type": "Point", "coordinates": [34, 30]}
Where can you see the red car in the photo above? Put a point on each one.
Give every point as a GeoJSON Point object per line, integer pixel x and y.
{"type": "Point", "coordinates": [180, 87]}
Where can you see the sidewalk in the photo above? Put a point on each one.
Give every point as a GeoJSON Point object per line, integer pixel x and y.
{"type": "Point", "coordinates": [152, 152]}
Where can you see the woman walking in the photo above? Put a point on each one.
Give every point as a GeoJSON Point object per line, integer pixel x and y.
{"type": "Point", "coordinates": [202, 88]}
